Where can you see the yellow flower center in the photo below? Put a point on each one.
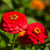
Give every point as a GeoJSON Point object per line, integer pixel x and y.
{"type": "Point", "coordinates": [37, 30]}
{"type": "Point", "coordinates": [13, 17]}
{"type": "Point", "coordinates": [21, 33]}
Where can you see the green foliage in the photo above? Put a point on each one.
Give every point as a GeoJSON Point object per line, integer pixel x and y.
{"type": "Point", "coordinates": [8, 3]}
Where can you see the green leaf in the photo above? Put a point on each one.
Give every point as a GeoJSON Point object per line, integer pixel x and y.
{"type": "Point", "coordinates": [9, 3]}
{"type": "Point", "coordinates": [2, 44]}
{"type": "Point", "coordinates": [6, 39]}
{"type": "Point", "coordinates": [31, 20]}
{"type": "Point", "coordinates": [16, 1]}
{"type": "Point", "coordinates": [20, 10]}
{"type": "Point", "coordinates": [0, 16]}
{"type": "Point", "coordinates": [8, 35]}
{"type": "Point", "coordinates": [47, 17]}
{"type": "Point", "coordinates": [39, 13]}
{"type": "Point", "coordinates": [47, 48]}
{"type": "Point", "coordinates": [18, 49]}
{"type": "Point", "coordinates": [9, 44]}
{"type": "Point", "coordinates": [33, 47]}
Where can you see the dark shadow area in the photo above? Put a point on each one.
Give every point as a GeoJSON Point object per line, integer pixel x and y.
{"type": "Point", "coordinates": [6, 39]}
{"type": "Point", "coordinates": [7, 48]}
{"type": "Point", "coordinates": [16, 5]}
{"type": "Point", "coordinates": [32, 13]}
{"type": "Point", "coordinates": [1, 2]}
{"type": "Point", "coordinates": [40, 18]}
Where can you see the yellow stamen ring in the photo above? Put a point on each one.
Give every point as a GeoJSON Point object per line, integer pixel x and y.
{"type": "Point", "coordinates": [37, 30]}
{"type": "Point", "coordinates": [13, 17]}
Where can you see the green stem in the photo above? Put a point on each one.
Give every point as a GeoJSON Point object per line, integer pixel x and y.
{"type": "Point", "coordinates": [14, 41]}
{"type": "Point", "coordinates": [24, 48]}
{"type": "Point", "coordinates": [31, 47]}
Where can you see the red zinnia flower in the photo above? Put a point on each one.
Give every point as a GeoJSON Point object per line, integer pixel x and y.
{"type": "Point", "coordinates": [13, 22]}
{"type": "Point", "coordinates": [36, 33]}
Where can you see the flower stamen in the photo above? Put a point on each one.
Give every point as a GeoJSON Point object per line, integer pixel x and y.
{"type": "Point", "coordinates": [13, 17]}
{"type": "Point", "coordinates": [37, 30]}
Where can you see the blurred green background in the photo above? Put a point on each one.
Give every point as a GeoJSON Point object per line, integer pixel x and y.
{"type": "Point", "coordinates": [23, 6]}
